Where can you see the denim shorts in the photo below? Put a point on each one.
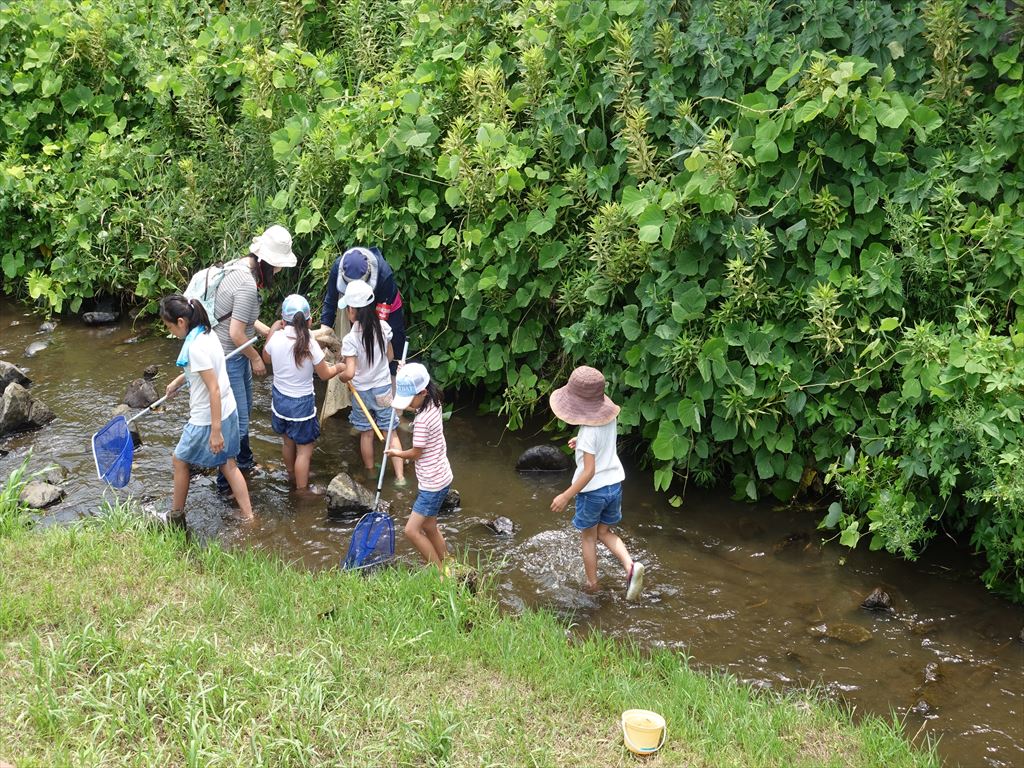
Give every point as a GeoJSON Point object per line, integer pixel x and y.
{"type": "Point", "coordinates": [428, 503]}
{"type": "Point", "coordinates": [601, 505]}
{"type": "Point", "coordinates": [194, 445]}
{"type": "Point", "coordinates": [382, 414]}
{"type": "Point", "coordinates": [295, 417]}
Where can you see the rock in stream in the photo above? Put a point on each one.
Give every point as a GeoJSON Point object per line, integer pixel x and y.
{"type": "Point", "coordinates": [347, 498]}
{"type": "Point", "coordinates": [543, 458]}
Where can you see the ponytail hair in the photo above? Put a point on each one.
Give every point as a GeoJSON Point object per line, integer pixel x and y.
{"type": "Point", "coordinates": [373, 334]}
{"type": "Point", "coordinates": [175, 307]}
{"type": "Point", "coordinates": [302, 338]}
{"type": "Point", "coordinates": [435, 395]}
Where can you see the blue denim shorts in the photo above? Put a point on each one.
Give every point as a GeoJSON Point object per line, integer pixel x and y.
{"type": "Point", "coordinates": [602, 505]}
{"type": "Point", "coordinates": [382, 414]}
{"type": "Point", "coordinates": [194, 445]}
{"type": "Point", "coordinates": [428, 503]}
{"type": "Point", "coordinates": [295, 417]}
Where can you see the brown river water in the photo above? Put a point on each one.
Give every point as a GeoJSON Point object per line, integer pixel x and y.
{"type": "Point", "coordinates": [745, 589]}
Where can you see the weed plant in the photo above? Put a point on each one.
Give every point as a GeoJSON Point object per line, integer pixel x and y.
{"type": "Point", "coordinates": [792, 236]}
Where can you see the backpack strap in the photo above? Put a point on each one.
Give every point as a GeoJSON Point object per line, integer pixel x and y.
{"type": "Point", "coordinates": [223, 271]}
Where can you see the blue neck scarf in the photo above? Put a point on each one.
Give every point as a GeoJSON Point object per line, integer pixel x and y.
{"type": "Point", "coordinates": [182, 360]}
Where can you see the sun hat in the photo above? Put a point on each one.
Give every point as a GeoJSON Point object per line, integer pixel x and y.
{"type": "Point", "coordinates": [357, 294]}
{"type": "Point", "coordinates": [582, 400]}
{"type": "Point", "coordinates": [274, 246]}
{"type": "Point", "coordinates": [293, 304]}
{"type": "Point", "coordinates": [410, 381]}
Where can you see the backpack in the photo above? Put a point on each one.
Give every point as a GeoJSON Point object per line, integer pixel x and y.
{"type": "Point", "coordinates": [203, 287]}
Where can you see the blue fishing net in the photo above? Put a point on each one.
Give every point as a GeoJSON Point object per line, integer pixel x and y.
{"type": "Point", "coordinates": [373, 541]}
{"type": "Point", "coordinates": [113, 452]}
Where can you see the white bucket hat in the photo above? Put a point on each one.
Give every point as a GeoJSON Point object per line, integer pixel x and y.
{"type": "Point", "coordinates": [357, 294]}
{"type": "Point", "coordinates": [274, 246]}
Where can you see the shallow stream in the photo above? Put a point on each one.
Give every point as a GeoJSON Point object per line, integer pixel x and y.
{"type": "Point", "coordinates": [750, 590]}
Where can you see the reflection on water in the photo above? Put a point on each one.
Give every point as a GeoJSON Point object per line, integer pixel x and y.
{"type": "Point", "coordinates": [744, 589]}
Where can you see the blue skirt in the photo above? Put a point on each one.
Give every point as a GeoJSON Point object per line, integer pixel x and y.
{"type": "Point", "coordinates": [295, 417]}
{"type": "Point", "coordinates": [194, 445]}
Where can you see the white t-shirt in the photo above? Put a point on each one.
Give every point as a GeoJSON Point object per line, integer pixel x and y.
{"type": "Point", "coordinates": [204, 354]}
{"type": "Point", "coordinates": [367, 377]}
{"type": "Point", "coordinates": [289, 379]}
{"type": "Point", "coordinates": [600, 441]}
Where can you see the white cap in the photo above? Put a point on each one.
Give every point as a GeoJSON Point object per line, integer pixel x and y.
{"type": "Point", "coordinates": [410, 381]}
{"type": "Point", "coordinates": [274, 246]}
{"type": "Point", "coordinates": [357, 294]}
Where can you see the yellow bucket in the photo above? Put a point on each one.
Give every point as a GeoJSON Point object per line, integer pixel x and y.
{"type": "Point", "coordinates": [643, 731]}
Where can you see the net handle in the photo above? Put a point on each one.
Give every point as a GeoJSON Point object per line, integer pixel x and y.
{"type": "Point", "coordinates": [228, 356]}
{"type": "Point", "coordinates": [387, 443]}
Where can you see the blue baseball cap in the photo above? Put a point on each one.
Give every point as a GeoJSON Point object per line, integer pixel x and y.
{"type": "Point", "coordinates": [355, 263]}
{"type": "Point", "coordinates": [410, 381]}
{"type": "Point", "coordinates": [294, 304]}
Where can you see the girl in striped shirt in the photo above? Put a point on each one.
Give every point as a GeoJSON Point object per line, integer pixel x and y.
{"type": "Point", "coordinates": [416, 392]}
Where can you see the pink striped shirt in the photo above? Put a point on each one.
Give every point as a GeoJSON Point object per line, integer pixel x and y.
{"type": "Point", "coordinates": [433, 472]}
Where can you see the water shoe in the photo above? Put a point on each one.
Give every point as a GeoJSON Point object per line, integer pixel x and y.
{"type": "Point", "coordinates": [635, 582]}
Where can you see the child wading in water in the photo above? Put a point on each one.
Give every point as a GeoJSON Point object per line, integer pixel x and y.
{"type": "Point", "coordinates": [294, 355]}
{"type": "Point", "coordinates": [210, 438]}
{"type": "Point", "coordinates": [416, 392]}
{"type": "Point", "coordinates": [597, 483]}
{"type": "Point", "coordinates": [366, 352]}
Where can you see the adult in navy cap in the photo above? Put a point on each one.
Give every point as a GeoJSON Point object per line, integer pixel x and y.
{"type": "Point", "coordinates": [368, 265]}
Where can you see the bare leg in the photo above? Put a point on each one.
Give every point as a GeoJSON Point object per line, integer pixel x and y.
{"type": "Point", "coordinates": [590, 555]}
{"type": "Point", "coordinates": [611, 540]}
{"type": "Point", "coordinates": [419, 538]}
{"type": "Point", "coordinates": [182, 477]}
{"type": "Point", "coordinates": [396, 462]}
{"type": "Point", "coordinates": [366, 449]}
{"type": "Point", "coordinates": [239, 489]}
{"type": "Point", "coordinates": [288, 452]}
{"type": "Point", "coordinates": [303, 455]}
{"type": "Point", "coordinates": [436, 538]}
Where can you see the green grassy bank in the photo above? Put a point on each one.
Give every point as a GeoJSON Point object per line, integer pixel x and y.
{"type": "Point", "coordinates": [126, 646]}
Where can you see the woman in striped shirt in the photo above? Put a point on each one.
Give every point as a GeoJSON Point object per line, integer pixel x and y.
{"type": "Point", "coordinates": [416, 392]}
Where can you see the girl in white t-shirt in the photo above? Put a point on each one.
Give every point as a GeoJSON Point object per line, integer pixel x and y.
{"type": "Point", "coordinates": [366, 352]}
{"type": "Point", "coordinates": [210, 438]}
{"type": "Point", "coordinates": [597, 483]}
{"type": "Point", "coordinates": [294, 355]}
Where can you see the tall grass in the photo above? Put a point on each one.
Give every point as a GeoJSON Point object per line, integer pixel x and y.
{"type": "Point", "coordinates": [13, 511]}
{"type": "Point", "coordinates": [128, 646]}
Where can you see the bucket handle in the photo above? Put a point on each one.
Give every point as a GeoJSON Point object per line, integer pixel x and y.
{"type": "Point", "coordinates": [640, 750]}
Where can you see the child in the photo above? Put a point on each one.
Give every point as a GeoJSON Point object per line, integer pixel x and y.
{"type": "Point", "coordinates": [366, 352]}
{"type": "Point", "coordinates": [599, 473]}
{"type": "Point", "coordinates": [294, 355]}
{"type": "Point", "coordinates": [210, 438]}
{"type": "Point", "coordinates": [416, 392]}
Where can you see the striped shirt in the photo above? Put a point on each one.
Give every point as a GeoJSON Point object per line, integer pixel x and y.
{"type": "Point", "coordinates": [433, 472]}
{"type": "Point", "coordinates": [236, 294]}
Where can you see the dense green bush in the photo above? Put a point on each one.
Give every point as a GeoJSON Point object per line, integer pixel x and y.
{"type": "Point", "coordinates": [791, 235]}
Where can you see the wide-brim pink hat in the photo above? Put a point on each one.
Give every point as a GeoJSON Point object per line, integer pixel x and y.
{"type": "Point", "coordinates": [582, 401]}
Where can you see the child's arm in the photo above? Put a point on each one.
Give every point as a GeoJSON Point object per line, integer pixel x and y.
{"type": "Point", "coordinates": [175, 385]}
{"type": "Point", "coordinates": [277, 326]}
{"type": "Point", "coordinates": [327, 371]}
{"type": "Point", "coordinates": [408, 453]}
{"type": "Point", "coordinates": [561, 501]}
{"type": "Point", "coordinates": [216, 438]}
{"type": "Point", "coordinates": [348, 371]}
{"type": "Point", "coordinates": [391, 352]}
